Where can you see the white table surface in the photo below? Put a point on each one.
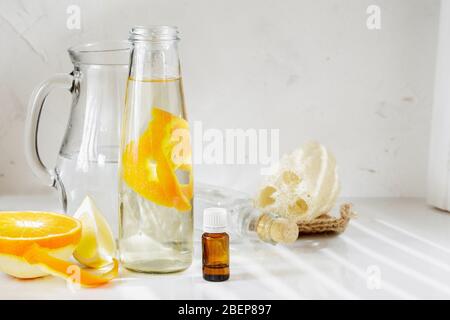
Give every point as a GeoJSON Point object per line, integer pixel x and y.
{"type": "Point", "coordinates": [397, 248]}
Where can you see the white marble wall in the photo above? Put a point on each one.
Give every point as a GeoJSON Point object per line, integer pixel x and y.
{"type": "Point", "coordinates": [310, 68]}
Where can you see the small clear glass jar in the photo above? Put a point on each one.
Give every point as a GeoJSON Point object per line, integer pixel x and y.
{"type": "Point", "coordinates": [155, 188]}
{"type": "Point", "coordinates": [246, 222]}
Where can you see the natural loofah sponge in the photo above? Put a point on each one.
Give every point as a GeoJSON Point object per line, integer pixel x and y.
{"type": "Point", "coordinates": [304, 186]}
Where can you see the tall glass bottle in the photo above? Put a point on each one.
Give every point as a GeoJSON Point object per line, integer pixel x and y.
{"type": "Point", "coordinates": [155, 189]}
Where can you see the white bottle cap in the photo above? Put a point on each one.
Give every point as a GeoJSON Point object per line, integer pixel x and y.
{"type": "Point", "coordinates": [214, 220]}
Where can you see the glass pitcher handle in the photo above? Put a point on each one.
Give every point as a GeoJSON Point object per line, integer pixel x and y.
{"type": "Point", "coordinates": [35, 105]}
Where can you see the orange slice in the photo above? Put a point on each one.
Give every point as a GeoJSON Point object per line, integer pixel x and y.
{"type": "Point", "coordinates": [35, 244]}
{"type": "Point", "coordinates": [152, 164]}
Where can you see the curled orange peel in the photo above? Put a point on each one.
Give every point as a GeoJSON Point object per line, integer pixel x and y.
{"type": "Point", "coordinates": [153, 164]}
{"type": "Point", "coordinates": [36, 255]}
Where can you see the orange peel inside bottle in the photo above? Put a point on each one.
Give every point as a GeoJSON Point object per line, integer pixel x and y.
{"type": "Point", "coordinates": [153, 165]}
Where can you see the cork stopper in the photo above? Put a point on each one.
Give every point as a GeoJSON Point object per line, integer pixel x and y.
{"type": "Point", "coordinates": [284, 231]}
{"type": "Point", "coordinates": [276, 229]}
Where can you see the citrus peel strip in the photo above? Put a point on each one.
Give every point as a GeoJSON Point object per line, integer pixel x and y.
{"type": "Point", "coordinates": [151, 163]}
{"type": "Point", "coordinates": [36, 255]}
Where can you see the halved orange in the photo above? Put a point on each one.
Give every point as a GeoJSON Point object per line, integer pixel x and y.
{"type": "Point", "coordinates": [20, 230]}
{"type": "Point", "coordinates": [34, 244]}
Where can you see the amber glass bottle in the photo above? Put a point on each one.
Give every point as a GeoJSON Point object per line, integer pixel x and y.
{"type": "Point", "coordinates": [215, 245]}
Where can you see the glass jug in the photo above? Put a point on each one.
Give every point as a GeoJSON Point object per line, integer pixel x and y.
{"type": "Point", "coordinates": [88, 157]}
{"type": "Point", "coordinates": [155, 189]}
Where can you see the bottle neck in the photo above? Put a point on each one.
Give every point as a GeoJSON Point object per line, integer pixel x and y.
{"type": "Point", "coordinates": [155, 60]}
{"type": "Point", "coordinates": [263, 226]}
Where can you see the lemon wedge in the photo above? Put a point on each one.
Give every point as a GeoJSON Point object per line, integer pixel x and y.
{"type": "Point", "coordinates": [97, 246]}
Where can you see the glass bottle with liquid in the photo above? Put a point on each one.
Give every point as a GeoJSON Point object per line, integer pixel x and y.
{"type": "Point", "coordinates": [247, 222]}
{"type": "Point", "coordinates": [215, 245]}
{"type": "Point", "coordinates": [156, 186]}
